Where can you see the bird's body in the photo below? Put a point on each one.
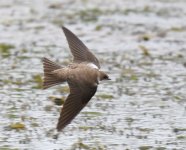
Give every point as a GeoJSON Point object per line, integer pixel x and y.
{"type": "Point", "coordinates": [82, 76]}
{"type": "Point", "coordinates": [82, 73]}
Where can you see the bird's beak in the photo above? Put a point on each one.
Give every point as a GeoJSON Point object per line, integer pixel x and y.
{"type": "Point", "coordinates": [109, 79]}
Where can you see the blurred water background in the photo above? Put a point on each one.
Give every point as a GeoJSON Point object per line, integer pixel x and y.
{"type": "Point", "coordinates": [140, 43]}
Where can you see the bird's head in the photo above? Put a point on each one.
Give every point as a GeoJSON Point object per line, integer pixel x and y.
{"type": "Point", "coordinates": [103, 76]}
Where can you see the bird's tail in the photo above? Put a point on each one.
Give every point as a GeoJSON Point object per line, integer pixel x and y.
{"type": "Point", "coordinates": [49, 79]}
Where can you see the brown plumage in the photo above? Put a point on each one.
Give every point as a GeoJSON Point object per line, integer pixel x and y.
{"type": "Point", "coordinates": [82, 76]}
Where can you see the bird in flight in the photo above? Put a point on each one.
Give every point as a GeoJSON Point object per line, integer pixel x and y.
{"type": "Point", "coordinates": [82, 75]}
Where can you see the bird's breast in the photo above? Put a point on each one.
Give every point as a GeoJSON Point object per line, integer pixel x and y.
{"type": "Point", "coordinates": [84, 75]}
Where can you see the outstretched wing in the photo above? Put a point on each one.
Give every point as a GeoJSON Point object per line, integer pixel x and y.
{"type": "Point", "coordinates": [80, 52]}
{"type": "Point", "coordinates": [75, 102]}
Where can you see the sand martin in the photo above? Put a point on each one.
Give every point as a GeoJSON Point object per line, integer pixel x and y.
{"type": "Point", "coordinates": [82, 75]}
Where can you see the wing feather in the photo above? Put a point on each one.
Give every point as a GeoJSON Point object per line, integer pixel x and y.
{"type": "Point", "coordinates": [80, 52]}
{"type": "Point", "coordinates": [75, 102]}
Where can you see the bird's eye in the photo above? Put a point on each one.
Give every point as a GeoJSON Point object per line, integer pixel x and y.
{"type": "Point", "coordinates": [106, 77]}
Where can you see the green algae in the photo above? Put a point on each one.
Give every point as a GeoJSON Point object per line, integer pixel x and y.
{"type": "Point", "coordinates": [85, 128]}
{"type": "Point", "coordinates": [34, 124]}
{"type": "Point", "coordinates": [17, 126]}
{"type": "Point", "coordinates": [145, 147]}
{"type": "Point", "coordinates": [12, 116]}
{"type": "Point", "coordinates": [145, 130]}
{"type": "Point", "coordinates": [7, 148]}
{"type": "Point", "coordinates": [5, 49]}
{"type": "Point", "coordinates": [181, 137]}
{"type": "Point", "coordinates": [39, 81]}
{"type": "Point", "coordinates": [92, 113]}
{"type": "Point", "coordinates": [161, 148]}
{"type": "Point", "coordinates": [89, 15]}
{"type": "Point", "coordinates": [82, 145]}
{"type": "Point", "coordinates": [145, 37]}
{"type": "Point", "coordinates": [177, 29]}
{"type": "Point", "coordinates": [48, 107]}
{"type": "Point", "coordinates": [129, 120]}
{"type": "Point", "coordinates": [64, 89]}
{"type": "Point", "coordinates": [98, 27]}
{"type": "Point", "coordinates": [105, 96]}
{"type": "Point", "coordinates": [57, 100]}
{"type": "Point", "coordinates": [144, 50]}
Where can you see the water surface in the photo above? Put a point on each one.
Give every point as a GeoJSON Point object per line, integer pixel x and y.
{"type": "Point", "coordinates": [142, 46]}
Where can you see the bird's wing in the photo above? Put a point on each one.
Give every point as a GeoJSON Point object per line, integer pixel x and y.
{"type": "Point", "coordinates": [74, 103]}
{"type": "Point", "coordinates": [80, 52]}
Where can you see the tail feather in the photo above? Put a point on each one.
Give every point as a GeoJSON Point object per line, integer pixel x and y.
{"type": "Point", "coordinates": [49, 79]}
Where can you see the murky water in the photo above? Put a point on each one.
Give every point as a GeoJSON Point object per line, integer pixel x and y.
{"type": "Point", "coordinates": [142, 46]}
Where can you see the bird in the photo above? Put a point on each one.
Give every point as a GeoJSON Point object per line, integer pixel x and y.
{"type": "Point", "coordinates": [82, 75]}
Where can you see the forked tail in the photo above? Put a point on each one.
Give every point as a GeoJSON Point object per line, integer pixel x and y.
{"type": "Point", "coordinates": [49, 78]}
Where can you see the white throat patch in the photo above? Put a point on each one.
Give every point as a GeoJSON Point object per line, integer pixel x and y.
{"type": "Point", "coordinates": [92, 65]}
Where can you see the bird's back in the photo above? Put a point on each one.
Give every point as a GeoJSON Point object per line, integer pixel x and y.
{"type": "Point", "coordinates": [83, 74]}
